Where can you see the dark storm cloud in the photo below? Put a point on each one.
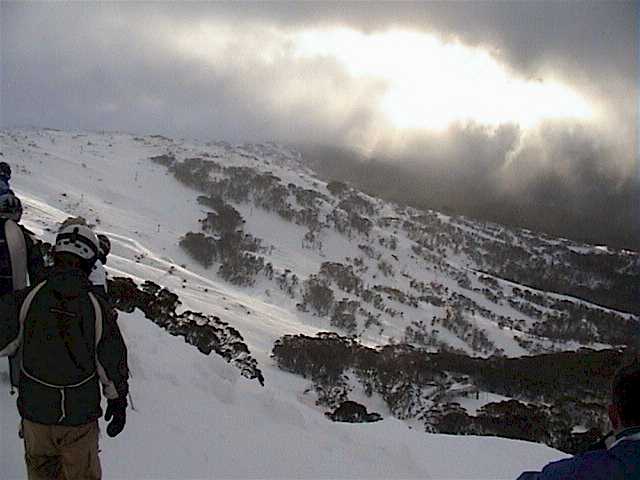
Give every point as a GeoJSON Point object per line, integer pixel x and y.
{"type": "Point", "coordinates": [113, 66]}
{"type": "Point", "coordinates": [575, 192]}
{"type": "Point", "coordinates": [595, 40]}
{"type": "Point", "coordinates": [593, 44]}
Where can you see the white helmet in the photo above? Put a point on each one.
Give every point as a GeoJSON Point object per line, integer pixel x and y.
{"type": "Point", "coordinates": [78, 240]}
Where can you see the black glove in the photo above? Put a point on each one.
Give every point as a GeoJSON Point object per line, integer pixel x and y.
{"type": "Point", "coordinates": [117, 413]}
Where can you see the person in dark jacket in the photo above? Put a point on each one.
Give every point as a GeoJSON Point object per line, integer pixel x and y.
{"type": "Point", "coordinates": [69, 343]}
{"type": "Point", "coordinates": [21, 259]}
{"type": "Point", "coordinates": [620, 459]}
{"type": "Point", "coordinates": [5, 177]}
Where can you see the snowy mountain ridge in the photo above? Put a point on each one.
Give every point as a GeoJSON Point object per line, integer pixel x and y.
{"type": "Point", "coordinates": [448, 269]}
{"type": "Point", "coordinates": [404, 268]}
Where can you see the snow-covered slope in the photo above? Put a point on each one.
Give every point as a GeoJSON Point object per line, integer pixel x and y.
{"type": "Point", "coordinates": [195, 417]}
{"type": "Point", "coordinates": [412, 266]}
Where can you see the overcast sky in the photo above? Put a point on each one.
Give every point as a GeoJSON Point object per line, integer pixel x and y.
{"type": "Point", "coordinates": [508, 89]}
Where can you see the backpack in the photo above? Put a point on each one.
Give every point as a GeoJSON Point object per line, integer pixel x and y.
{"type": "Point", "coordinates": [18, 356]}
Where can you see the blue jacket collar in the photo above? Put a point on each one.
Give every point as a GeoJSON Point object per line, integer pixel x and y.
{"type": "Point", "coordinates": [631, 433]}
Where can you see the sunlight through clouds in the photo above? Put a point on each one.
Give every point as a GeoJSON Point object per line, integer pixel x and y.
{"type": "Point", "coordinates": [432, 85]}
{"type": "Point", "coordinates": [422, 83]}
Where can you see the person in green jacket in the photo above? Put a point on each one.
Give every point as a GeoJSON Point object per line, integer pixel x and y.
{"type": "Point", "coordinates": [68, 343]}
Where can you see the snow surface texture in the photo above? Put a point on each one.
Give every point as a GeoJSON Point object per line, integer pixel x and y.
{"type": "Point", "coordinates": [195, 416]}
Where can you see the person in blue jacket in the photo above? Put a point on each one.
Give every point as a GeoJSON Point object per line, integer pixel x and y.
{"type": "Point", "coordinates": [619, 457]}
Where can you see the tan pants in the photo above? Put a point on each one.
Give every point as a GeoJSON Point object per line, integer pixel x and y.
{"type": "Point", "coordinates": [56, 452]}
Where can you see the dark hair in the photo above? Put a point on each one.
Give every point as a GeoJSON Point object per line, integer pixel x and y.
{"type": "Point", "coordinates": [625, 392]}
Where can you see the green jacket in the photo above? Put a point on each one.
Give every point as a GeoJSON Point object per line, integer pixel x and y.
{"type": "Point", "coordinates": [68, 342]}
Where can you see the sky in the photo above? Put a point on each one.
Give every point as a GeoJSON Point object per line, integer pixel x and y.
{"type": "Point", "coordinates": [507, 93]}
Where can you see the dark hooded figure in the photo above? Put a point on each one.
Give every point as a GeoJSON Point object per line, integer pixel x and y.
{"type": "Point", "coordinates": [68, 343]}
{"type": "Point", "coordinates": [5, 177]}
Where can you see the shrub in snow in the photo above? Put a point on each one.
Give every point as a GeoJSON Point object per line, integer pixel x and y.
{"type": "Point", "coordinates": [167, 159]}
{"type": "Point", "coordinates": [344, 317]}
{"type": "Point", "coordinates": [241, 269]}
{"type": "Point", "coordinates": [385, 268]}
{"type": "Point", "coordinates": [318, 295]}
{"type": "Point", "coordinates": [353, 412]}
{"type": "Point", "coordinates": [206, 332]}
{"type": "Point", "coordinates": [306, 197]}
{"type": "Point", "coordinates": [200, 247]}
{"type": "Point", "coordinates": [224, 218]}
{"type": "Point", "coordinates": [337, 188]}
{"type": "Point", "coordinates": [562, 390]}
{"type": "Point", "coordinates": [356, 203]}
{"type": "Point", "coordinates": [342, 275]}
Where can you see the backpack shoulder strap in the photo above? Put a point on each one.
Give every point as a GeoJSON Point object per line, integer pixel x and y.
{"type": "Point", "coordinates": [24, 309]}
{"type": "Point", "coordinates": [97, 310]}
{"type": "Point", "coordinates": [108, 387]}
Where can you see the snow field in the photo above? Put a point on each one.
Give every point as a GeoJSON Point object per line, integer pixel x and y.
{"type": "Point", "coordinates": [195, 417]}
